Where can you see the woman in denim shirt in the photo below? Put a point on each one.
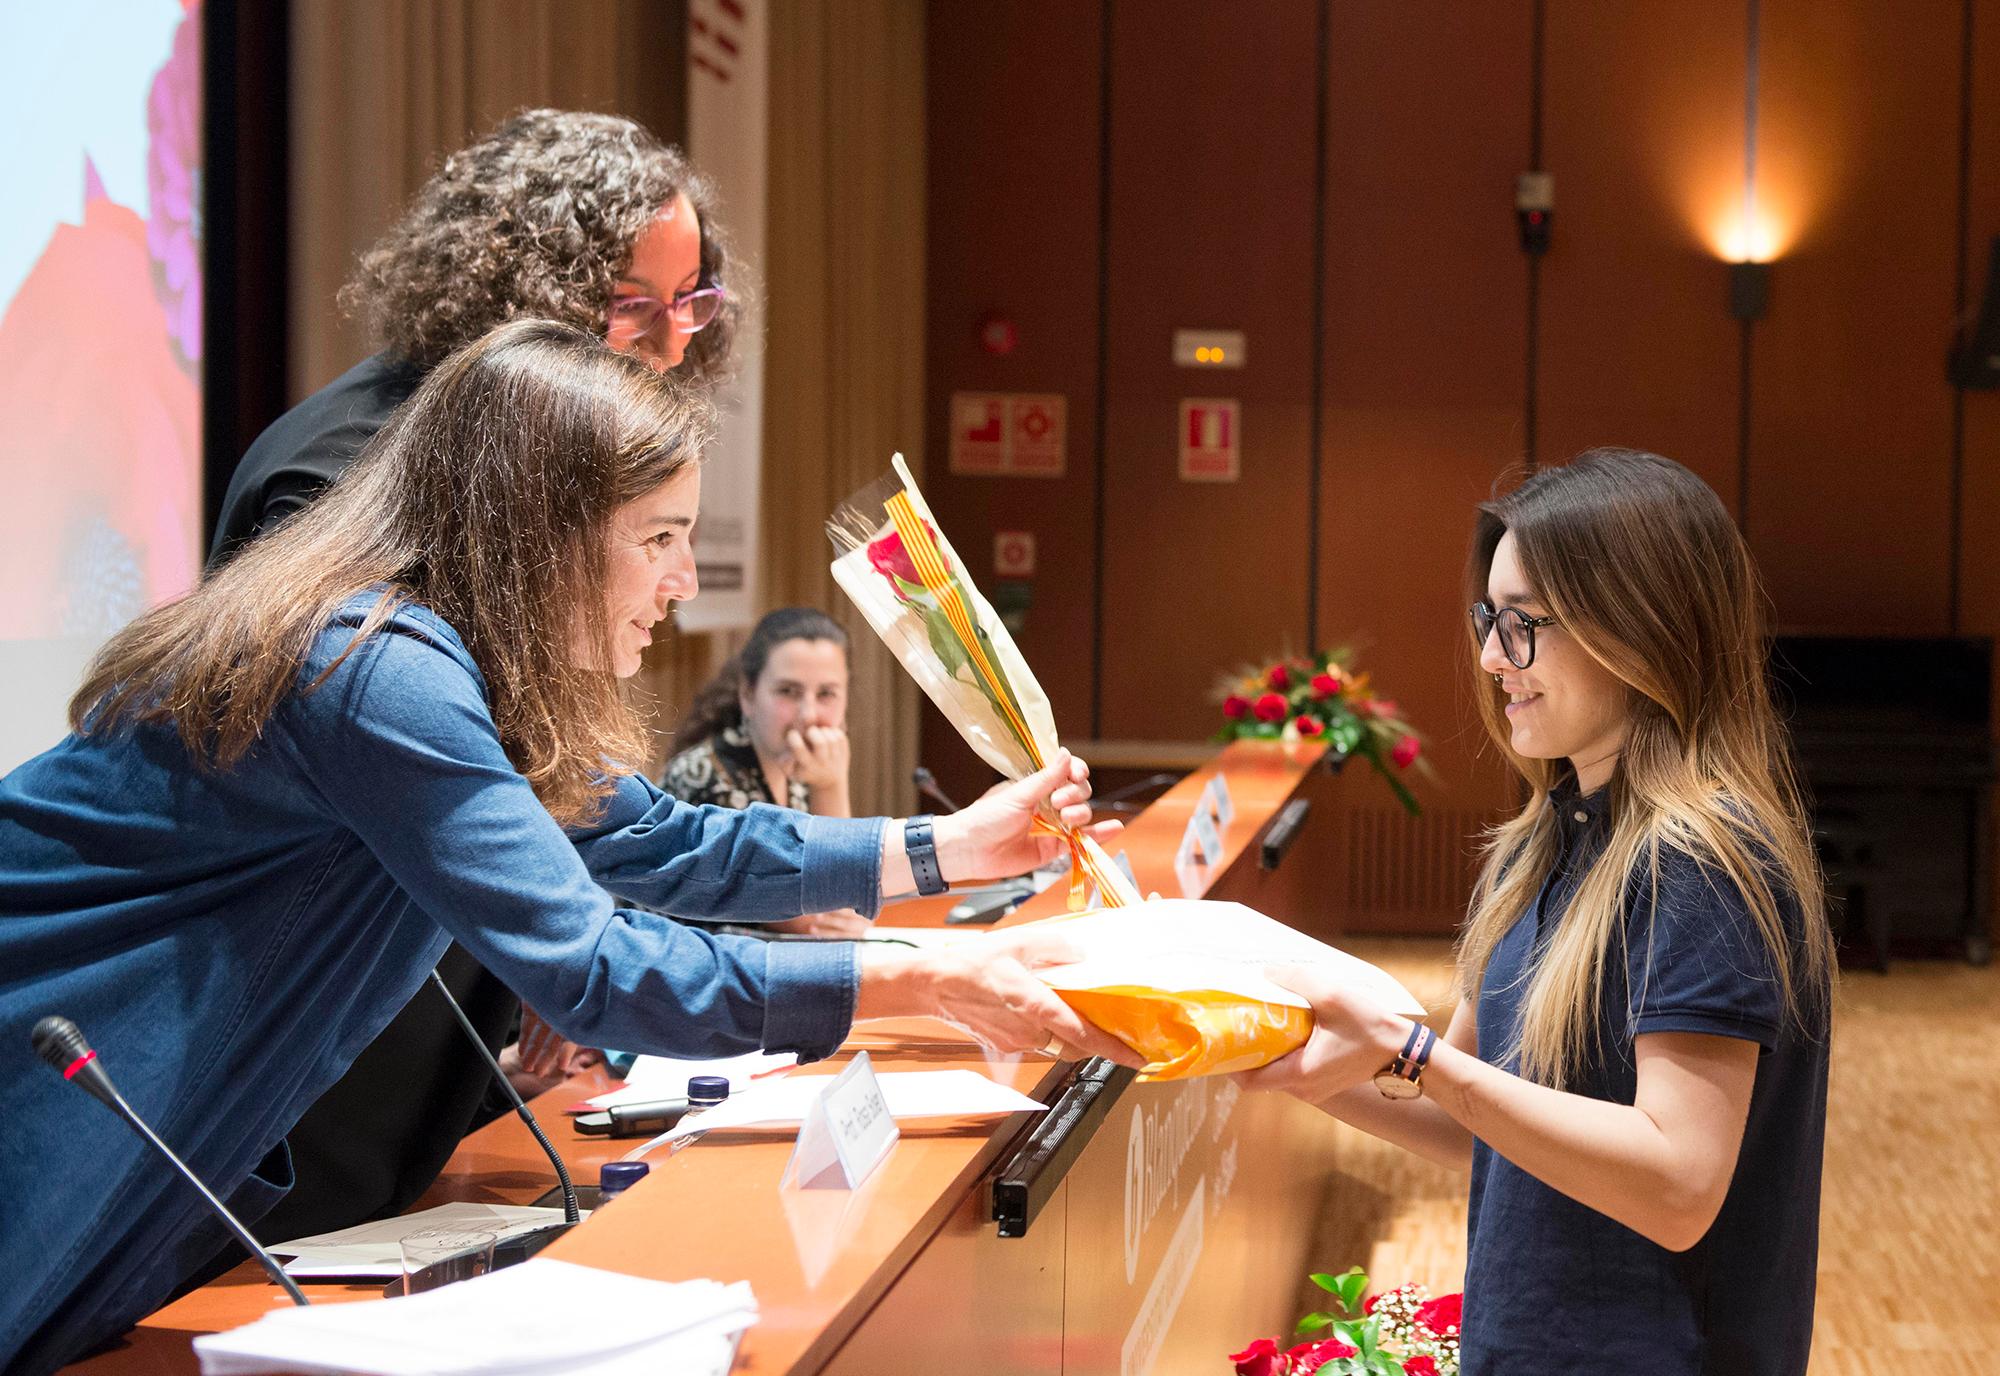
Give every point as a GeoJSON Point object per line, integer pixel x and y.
{"type": "Point", "coordinates": [395, 722]}
{"type": "Point", "coordinates": [1635, 1072]}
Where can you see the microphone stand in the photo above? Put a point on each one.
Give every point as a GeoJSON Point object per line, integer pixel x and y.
{"type": "Point", "coordinates": [571, 1213]}
{"type": "Point", "coordinates": [61, 1043]}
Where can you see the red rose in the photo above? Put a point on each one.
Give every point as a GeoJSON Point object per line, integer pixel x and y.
{"type": "Point", "coordinates": [1279, 677]}
{"type": "Point", "coordinates": [1307, 726]}
{"type": "Point", "coordinates": [1235, 708]}
{"type": "Point", "coordinates": [891, 560]}
{"type": "Point", "coordinates": [1441, 1315]}
{"type": "Point", "coordinates": [1325, 685]}
{"type": "Point", "coordinates": [1270, 707]}
{"type": "Point", "coordinates": [1368, 1305]}
{"type": "Point", "coordinates": [1425, 1365]}
{"type": "Point", "coordinates": [1261, 1358]}
{"type": "Point", "coordinates": [1405, 752]}
{"type": "Point", "coordinates": [1309, 1357]}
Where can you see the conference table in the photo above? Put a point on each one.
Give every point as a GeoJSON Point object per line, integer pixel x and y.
{"type": "Point", "coordinates": [1152, 1226]}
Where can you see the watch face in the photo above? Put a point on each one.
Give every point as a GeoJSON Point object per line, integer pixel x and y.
{"type": "Point", "coordinates": [1394, 1086]}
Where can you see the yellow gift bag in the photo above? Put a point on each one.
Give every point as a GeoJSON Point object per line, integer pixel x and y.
{"type": "Point", "coordinates": [1183, 982]}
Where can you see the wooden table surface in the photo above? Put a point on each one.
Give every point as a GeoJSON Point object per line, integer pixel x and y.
{"type": "Point", "coordinates": [818, 1260]}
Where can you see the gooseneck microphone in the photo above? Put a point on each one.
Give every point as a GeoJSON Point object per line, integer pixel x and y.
{"type": "Point", "coordinates": [571, 1214]}
{"type": "Point", "coordinates": [59, 1042]}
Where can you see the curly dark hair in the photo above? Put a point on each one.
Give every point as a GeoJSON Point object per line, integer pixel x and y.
{"type": "Point", "coordinates": [538, 218]}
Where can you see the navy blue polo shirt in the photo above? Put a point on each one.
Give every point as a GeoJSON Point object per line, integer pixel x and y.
{"type": "Point", "coordinates": [1553, 1285]}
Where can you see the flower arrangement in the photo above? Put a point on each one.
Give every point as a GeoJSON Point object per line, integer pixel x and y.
{"type": "Point", "coordinates": [1401, 1332]}
{"type": "Point", "coordinates": [1322, 697]}
{"type": "Point", "coordinates": [903, 574]}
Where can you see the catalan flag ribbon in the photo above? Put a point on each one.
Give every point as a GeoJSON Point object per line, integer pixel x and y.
{"type": "Point", "coordinates": [910, 584]}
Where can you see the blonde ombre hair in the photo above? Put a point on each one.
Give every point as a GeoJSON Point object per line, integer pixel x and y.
{"type": "Point", "coordinates": [1644, 568]}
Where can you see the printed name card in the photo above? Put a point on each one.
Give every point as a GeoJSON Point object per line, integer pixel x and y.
{"type": "Point", "coordinates": [1095, 899]}
{"type": "Point", "coordinates": [1216, 795]}
{"type": "Point", "coordinates": [848, 1131]}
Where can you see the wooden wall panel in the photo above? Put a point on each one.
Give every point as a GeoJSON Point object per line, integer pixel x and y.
{"type": "Point", "coordinates": [1212, 110]}
{"type": "Point", "coordinates": [1637, 344]}
{"type": "Point", "coordinates": [1849, 509]}
{"type": "Point", "coordinates": [1424, 347]}
{"type": "Point", "coordinates": [1013, 204]}
{"type": "Point", "coordinates": [1979, 499]}
{"type": "Point", "coordinates": [1979, 559]}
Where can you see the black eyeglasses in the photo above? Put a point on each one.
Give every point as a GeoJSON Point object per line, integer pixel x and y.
{"type": "Point", "coordinates": [1516, 627]}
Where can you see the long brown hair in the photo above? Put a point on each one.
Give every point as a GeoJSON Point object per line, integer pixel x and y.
{"type": "Point", "coordinates": [1643, 567]}
{"type": "Point", "coordinates": [487, 499]}
{"type": "Point", "coordinates": [537, 218]}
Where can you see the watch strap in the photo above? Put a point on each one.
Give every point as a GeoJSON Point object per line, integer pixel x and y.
{"type": "Point", "coordinates": [920, 845]}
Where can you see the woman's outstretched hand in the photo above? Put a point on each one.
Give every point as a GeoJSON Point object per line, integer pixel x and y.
{"type": "Point", "coordinates": [1352, 1038]}
{"type": "Point", "coordinates": [995, 837]}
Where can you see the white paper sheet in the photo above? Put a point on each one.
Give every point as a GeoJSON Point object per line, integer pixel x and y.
{"type": "Point", "coordinates": [542, 1316]}
{"type": "Point", "coordinates": [909, 1094]}
{"type": "Point", "coordinates": [374, 1249]}
{"type": "Point", "coordinates": [1184, 945]}
{"type": "Point", "coordinates": [663, 1077]}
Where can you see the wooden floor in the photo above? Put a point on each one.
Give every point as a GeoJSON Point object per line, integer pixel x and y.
{"type": "Point", "coordinates": [1909, 1262]}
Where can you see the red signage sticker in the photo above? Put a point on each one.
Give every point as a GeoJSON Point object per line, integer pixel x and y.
{"type": "Point", "coordinates": [1014, 554]}
{"type": "Point", "coordinates": [1008, 434]}
{"type": "Point", "coordinates": [1211, 440]}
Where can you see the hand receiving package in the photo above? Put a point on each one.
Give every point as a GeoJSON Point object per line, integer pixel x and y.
{"type": "Point", "coordinates": [1184, 983]}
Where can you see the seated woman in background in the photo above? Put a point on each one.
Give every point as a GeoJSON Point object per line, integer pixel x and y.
{"type": "Point", "coordinates": [1635, 1072]}
{"type": "Point", "coordinates": [772, 728]}
{"type": "Point", "coordinates": [394, 722]}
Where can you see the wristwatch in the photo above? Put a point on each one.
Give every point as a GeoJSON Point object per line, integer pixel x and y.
{"type": "Point", "coordinates": [920, 845]}
{"type": "Point", "coordinates": [1402, 1078]}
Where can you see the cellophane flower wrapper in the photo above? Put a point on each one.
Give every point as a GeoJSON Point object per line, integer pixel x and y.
{"type": "Point", "coordinates": [900, 570]}
{"type": "Point", "coordinates": [1183, 982]}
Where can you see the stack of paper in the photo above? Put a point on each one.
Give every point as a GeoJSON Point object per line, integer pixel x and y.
{"type": "Point", "coordinates": [663, 1077]}
{"type": "Point", "coordinates": [375, 1249]}
{"type": "Point", "coordinates": [908, 1093]}
{"type": "Point", "coordinates": [540, 1317]}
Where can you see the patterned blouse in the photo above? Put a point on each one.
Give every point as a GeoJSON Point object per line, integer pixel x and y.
{"type": "Point", "coordinates": [723, 770]}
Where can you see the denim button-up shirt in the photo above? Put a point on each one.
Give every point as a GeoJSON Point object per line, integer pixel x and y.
{"type": "Point", "coordinates": [230, 940]}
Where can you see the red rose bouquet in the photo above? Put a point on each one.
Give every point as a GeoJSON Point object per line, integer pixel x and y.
{"type": "Point", "coordinates": [913, 588]}
{"type": "Point", "coordinates": [1320, 697]}
{"type": "Point", "coordinates": [1402, 1332]}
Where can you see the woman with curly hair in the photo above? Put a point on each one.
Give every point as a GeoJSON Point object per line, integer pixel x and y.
{"type": "Point", "coordinates": [582, 218]}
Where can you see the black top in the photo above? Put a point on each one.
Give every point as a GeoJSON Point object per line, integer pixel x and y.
{"type": "Point", "coordinates": [308, 447]}
{"type": "Point", "coordinates": [1553, 1285]}
{"type": "Point", "coordinates": [375, 1141]}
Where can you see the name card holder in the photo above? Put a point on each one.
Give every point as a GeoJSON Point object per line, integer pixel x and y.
{"type": "Point", "coordinates": [848, 1131]}
{"type": "Point", "coordinates": [1216, 795]}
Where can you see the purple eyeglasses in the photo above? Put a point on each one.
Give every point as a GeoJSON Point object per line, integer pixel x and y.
{"type": "Point", "coordinates": [634, 317]}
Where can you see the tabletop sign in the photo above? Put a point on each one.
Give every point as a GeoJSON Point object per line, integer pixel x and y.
{"type": "Point", "coordinates": [1216, 795]}
{"type": "Point", "coordinates": [1201, 842]}
{"type": "Point", "coordinates": [1095, 898]}
{"type": "Point", "coordinates": [847, 1132]}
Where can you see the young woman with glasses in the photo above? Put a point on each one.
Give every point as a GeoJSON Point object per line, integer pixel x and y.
{"type": "Point", "coordinates": [1635, 1072]}
{"type": "Point", "coordinates": [582, 218]}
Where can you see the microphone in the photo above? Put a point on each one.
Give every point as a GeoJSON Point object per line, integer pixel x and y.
{"type": "Point", "coordinates": [59, 1042]}
{"type": "Point", "coordinates": [571, 1214]}
{"type": "Point", "coordinates": [927, 785]}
